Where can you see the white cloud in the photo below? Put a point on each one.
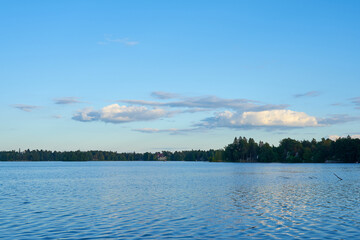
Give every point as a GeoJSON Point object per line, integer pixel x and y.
{"type": "Point", "coordinates": [120, 114]}
{"type": "Point", "coordinates": [269, 118]}
{"type": "Point", "coordinates": [117, 114]}
{"type": "Point", "coordinates": [336, 137]}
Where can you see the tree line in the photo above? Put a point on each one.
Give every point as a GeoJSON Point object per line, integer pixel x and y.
{"type": "Point", "coordinates": [346, 150]}
{"type": "Point", "coordinates": [42, 155]}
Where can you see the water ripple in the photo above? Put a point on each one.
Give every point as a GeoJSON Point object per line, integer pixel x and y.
{"type": "Point", "coordinates": [140, 200]}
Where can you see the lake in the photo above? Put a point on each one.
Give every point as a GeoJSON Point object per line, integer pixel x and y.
{"type": "Point", "coordinates": [162, 200]}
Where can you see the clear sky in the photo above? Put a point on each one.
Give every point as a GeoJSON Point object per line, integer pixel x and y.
{"type": "Point", "coordinates": [176, 75]}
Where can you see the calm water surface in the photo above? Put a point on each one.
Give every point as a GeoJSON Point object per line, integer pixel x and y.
{"type": "Point", "coordinates": [162, 200]}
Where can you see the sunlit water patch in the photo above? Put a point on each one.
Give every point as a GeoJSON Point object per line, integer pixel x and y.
{"type": "Point", "coordinates": [161, 200]}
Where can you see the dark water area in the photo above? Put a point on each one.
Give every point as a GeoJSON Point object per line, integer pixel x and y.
{"type": "Point", "coordinates": [189, 200]}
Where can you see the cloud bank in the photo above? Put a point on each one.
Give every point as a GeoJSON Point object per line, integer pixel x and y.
{"type": "Point", "coordinates": [238, 113]}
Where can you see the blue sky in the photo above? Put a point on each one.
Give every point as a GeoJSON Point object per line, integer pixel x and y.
{"type": "Point", "coordinates": [175, 75]}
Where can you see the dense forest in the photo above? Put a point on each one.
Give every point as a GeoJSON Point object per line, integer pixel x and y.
{"type": "Point", "coordinates": [345, 150]}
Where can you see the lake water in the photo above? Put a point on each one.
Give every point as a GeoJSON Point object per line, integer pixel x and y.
{"type": "Point", "coordinates": [162, 200]}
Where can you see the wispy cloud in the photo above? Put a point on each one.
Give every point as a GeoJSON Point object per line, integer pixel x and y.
{"type": "Point", "coordinates": [57, 116]}
{"type": "Point", "coordinates": [307, 94]}
{"type": "Point", "coordinates": [120, 114]}
{"type": "Point", "coordinates": [211, 103]}
{"type": "Point", "coordinates": [261, 119]}
{"type": "Point", "coordinates": [356, 102]}
{"type": "Point", "coordinates": [25, 107]}
{"type": "Point", "coordinates": [339, 104]}
{"type": "Point", "coordinates": [173, 131]}
{"type": "Point", "coordinates": [125, 41]}
{"type": "Point", "coordinates": [164, 95]}
{"type": "Point", "coordinates": [337, 119]}
{"type": "Point", "coordinates": [67, 100]}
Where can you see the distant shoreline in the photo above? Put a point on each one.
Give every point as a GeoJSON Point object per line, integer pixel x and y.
{"type": "Point", "coordinates": [79, 161]}
{"type": "Point", "coordinates": [343, 150]}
